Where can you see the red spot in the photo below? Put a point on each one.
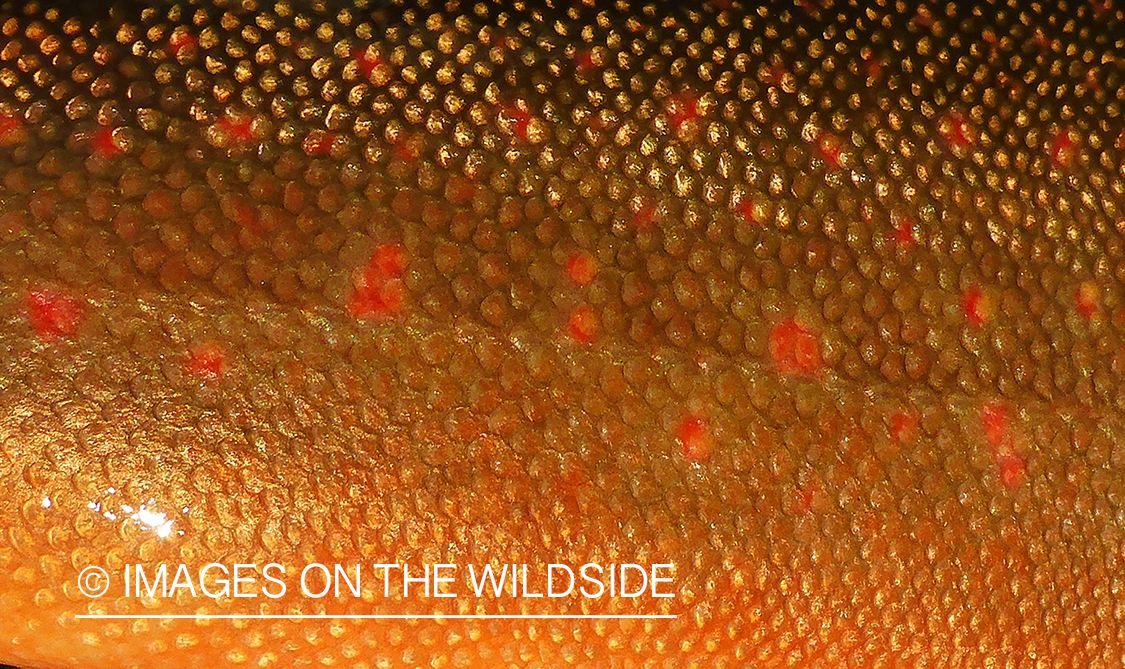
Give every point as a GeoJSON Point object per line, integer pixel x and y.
{"type": "Point", "coordinates": [207, 362]}
{"type": "Point", "coordinates": [903, 236]}
{"type": "Point", "coordinates": [408, 149]}
{"type": "Point", "coordinates": [904, 427]}
{"type": "Point", "coordinates": [53, 314]}
{"type": "Point", "coordinates": [570, 479]}
{"type": "Point", "coordinates": [181, 40]}
{"type": "Point", "coordinates": [1013, 470]}
{"type": "Point", "coordinates": [459, 190]}
{"type": "Point", "coordinates": [583, 325]}
{"type": "Point", "coordinates": [584, 61]}
{"type": "Point", "coordinates": [103, 145]}
{"type": "Point", "coordinates": [1087, 298]}
{"type": "Point", "coordinates": [319, 142]}
{"type": "Point", "coordinates": [1041, 40]}
{"type": "Point", "coordinates": [237, 129]}
{"type": "Point", "coordinates": [807, 494]}
{"type": "Point", "coordinates": [643, 214]}
{"type": "Point", "coordinates": [682, 108]}
{"type": "Point", "coordinates": [956, 130]}
{"type": "Point", "coordinates": [695, 439]}
{"type": "Point", "coordinates": [745, 208]}
{"type": "Point", "coordinates": [977, 306]}
{"type": "Point", "coordinates": [994, 419]}
{"type": "Point", "coordinates": [367, 62]}
{"type": "Point", "coordinates": [875, 67]}
{"type": "Point", "coordinates": [380, 294]}
{"type": "Point", "coordinates": [516, 120]}
{"type": "Point", "coordinates": [794, 349]}
{"type": "Point", "coordinates": [1100, 7]}
{"type": "Point", "coordinates": [1063, 149]}
{"type": "Point", "coordinates": [11, 130]}
{"type": "Point", "coordinates": [581, 268]}
{"type": "Point", "coordinates": [830, 147]}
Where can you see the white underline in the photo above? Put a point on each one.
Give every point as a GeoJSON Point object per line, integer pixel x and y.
{"type": "Point", "coordinates": [404, 616]}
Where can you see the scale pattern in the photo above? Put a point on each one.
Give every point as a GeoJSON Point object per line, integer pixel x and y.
{"type": "Point", "coordinates": [823, 303]}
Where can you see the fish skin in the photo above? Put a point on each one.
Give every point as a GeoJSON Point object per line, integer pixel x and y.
{"type": "Point", "coordinates": [822, 305]}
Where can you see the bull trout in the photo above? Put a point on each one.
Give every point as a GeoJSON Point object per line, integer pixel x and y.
{"type": "Point", "coordinates": [606, 334]}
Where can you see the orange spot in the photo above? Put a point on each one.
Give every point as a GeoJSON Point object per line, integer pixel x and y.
{"type": "Point", "coordinates": [904, 427]}
{"type": "Point", "coordinates": [53, 314]}
{"type": "Point", "coordinates": [830, 147]}
{"type": "Point", "coordinates": [380, 293]}
{"type": "Point", "coordinates": [583, 325]}
{"type": "Point", "coordinates": [978, 307]}
{"type": "Point", "coordinates": [695, 439]}
{"type": "Point", "coordinates": [1013, 470]}
{"type": "Point", "coordinates": [103, 145]}
{"type": "Point", "coordinates": [1087, 298]}
{"type": "Point", "coordinates": [794, 349]}
{"type": "Point", "coordinates": [581, 268]}
{"type": "Point", "coordinates": [206, 362]}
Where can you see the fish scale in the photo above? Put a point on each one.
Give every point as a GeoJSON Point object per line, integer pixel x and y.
{"type": "Point", "coordinates": [821, 304]}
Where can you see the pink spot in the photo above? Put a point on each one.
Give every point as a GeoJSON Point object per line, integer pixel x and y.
{"type": "Point", "coordinates": [994, 419]}
{"type": "Point", "coordinates": [581, 268]}
{"type": "Point", "coordinates": [955, 130]}
{"type": "Point", "coordinates": [1063, 148]}
{"type": "Point", "coordinates": [380, 294]}
{"type": "Point", "coordinates": [695, 439]}
{"type": "Point", "coordinates": [583, 325]}
{"type": "Point", "coordinates": [794, 349]}
{"type": "Point", "coordinates": [1087, 298]}
{"type": "Point", "coordinates": [977, 306]}
{"type": "Point", "coordinates": [53, 314]}
{"type": "Point", "coordinates": [103, 145]}
{"type": "Point", "coordinates": [904, 427]}
{"type": "Point", "coordinates": [830, 147]}
{"type": "Point", "coordinates": [207, 362]}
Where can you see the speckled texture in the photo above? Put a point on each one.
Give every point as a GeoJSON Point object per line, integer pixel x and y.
{"type": "Point", "coordinates": [823, 304]}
